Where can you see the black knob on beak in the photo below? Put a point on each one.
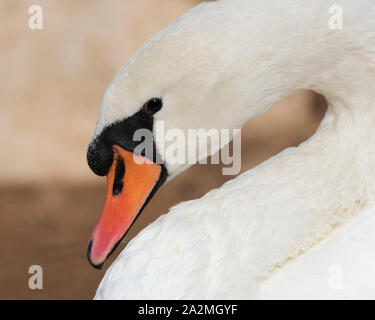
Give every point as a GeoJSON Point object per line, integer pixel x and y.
{"type": "Point", "coordinates": [99, 157]}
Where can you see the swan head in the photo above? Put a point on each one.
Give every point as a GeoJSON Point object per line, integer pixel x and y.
{"type": "Point", "coordinates": [184, 79]}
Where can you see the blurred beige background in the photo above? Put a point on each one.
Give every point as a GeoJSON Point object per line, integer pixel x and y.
{"type": "Point", "coordinates": [51, 85]}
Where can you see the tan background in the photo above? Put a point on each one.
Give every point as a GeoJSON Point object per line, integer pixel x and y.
{"type": "Point", "coordinates": [51, 85]}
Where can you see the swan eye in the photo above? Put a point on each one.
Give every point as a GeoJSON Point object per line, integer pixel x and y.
{"type": "Point", "coordinates": [152, 106]}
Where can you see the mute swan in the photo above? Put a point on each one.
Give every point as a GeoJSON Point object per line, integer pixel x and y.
{"type": "Point", "coordinates": [259, 235]}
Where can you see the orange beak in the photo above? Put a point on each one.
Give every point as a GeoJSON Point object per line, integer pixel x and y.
{"type": "Point", "coordinates": [129, 186]}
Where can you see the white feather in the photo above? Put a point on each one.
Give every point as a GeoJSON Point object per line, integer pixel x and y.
{"type": "Point", "coordinates": [254, 237]}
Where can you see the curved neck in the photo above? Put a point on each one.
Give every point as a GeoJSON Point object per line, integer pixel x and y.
{"type": "Point", "coordinates": [298, 50]}
{"type": "Point", "coordinates": [244, 63]}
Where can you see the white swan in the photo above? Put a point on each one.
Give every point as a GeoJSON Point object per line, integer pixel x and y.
{"type": "Point", "coordinates": [259, 235]}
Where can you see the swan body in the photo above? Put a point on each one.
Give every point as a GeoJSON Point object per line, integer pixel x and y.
{"type": "Point", "coordinates": [340, 267]}
{"type": "Point", "coordinates": [276, 230]}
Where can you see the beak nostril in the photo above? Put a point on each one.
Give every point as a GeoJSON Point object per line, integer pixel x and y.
{"type": "Point", "coordinates": [118, 183]}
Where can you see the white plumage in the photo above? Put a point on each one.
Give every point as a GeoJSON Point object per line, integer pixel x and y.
{"type": "Point", "coordinates": [340, 267]}
{"type": "Point", "coordinates": [279, 230]}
